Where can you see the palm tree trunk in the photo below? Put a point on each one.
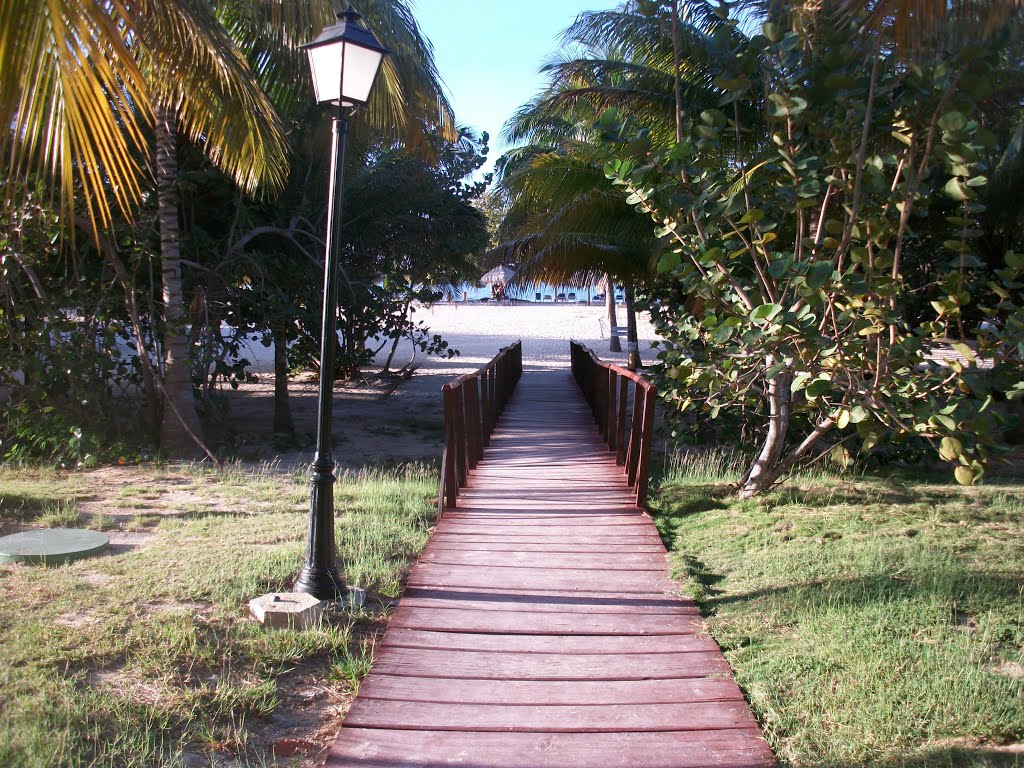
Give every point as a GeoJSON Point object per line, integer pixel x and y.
{"type": "Point", "coordinates": [614, 345]}
{"type": "Point", "coordinates": [180, 429]}
{"type": "Point", "coordinates": [632, 342]}
{"type": "Point", "coordinates": [676, 66]}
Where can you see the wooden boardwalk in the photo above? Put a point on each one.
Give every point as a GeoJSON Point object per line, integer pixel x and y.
{"type": "Point", "coordinates": [539, 628]}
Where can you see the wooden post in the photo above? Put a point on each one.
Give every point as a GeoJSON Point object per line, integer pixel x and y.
{"type": "Point", "coordinates": [613, 378]}
{"type": "Point", "coordinates": [450, 477]}
{"type": "Point", "coordinates": [488, 404]}
{"type": "Point", "coordinates": [645, 450]}
{"type": "Point", "coordinates": [620, 440]}
{"type": "Point", "coordinates": [635, 432]}
{"type": "Point", "coordinates": [461, 460]}
{"type": "Point", "coordinates": [473, 434]}
{"type": "Point", "coordinates": [494, 397]}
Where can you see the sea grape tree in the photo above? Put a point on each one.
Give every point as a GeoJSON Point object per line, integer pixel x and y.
{"type": "Point", "coordinates": [817, 234]}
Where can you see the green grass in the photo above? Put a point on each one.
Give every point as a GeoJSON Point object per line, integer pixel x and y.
{"type": "Point", "coordinates": [133, 659]}
{"type": "Point", "coordinates": [871, 621]}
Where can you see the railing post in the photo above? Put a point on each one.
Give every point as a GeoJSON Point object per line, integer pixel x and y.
{"type": "Point", "coordinates": [461, 460]}
{"type": "Point", "coordinates": [635, 432]}
{"type": "Point", "coordinates": [474, 449]}
{"type": "Point", "coordinates": [485, 395]}
{"type": "Point", "coordinates": [645, 451]}
{"type": "Point", "coordinates": [620, 440]}
{"type": "Point", "coordinates": [613, 427]}
{"type": "Point", "coordinates": [449, 477]}
{"type": "Point", "coordinates": [494, 397]}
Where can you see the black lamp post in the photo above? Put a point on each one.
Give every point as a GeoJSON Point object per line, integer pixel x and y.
{"type": "Point", "coordinates": [344, 60]}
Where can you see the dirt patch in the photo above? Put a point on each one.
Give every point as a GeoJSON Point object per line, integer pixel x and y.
{"type": "Point", "coordinates": [1011, 669]}
{"type": "Point", "coordinates": [196, 607]}
{"type": "Point", "coordinates": [77, 619]}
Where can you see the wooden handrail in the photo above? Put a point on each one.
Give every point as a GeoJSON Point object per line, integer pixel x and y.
{"type": "Point", "coordinates": [472, 404]}
{"type": "Point", "coordinates": [606, 388]}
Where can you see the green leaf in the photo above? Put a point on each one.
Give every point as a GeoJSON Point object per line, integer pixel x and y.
{"type": "Point", "coordinates": [711, 255]}
{"type": "Point", "coordinates": [841, 456]}
{"type": "Point", "coordinates": [950, 449]}
{"type": "Point", "coordinates": [954, 190]}
{"type": "Point", "coordinates": [714, 117]}
{"type": "Point", "coordinates": [858, 414]}
{"type": "Point", "coordinates": [669, 262]}
{"type": "Point", "coordinates": [952, 121]}
{"type": "Point", "coordinates": [765, 312]}
{"type": "Point", "coordinates": [843, 419]}
{"type": "Point", "coordinates": [681, 151]}
{"type": "Point", "coordinates": [964, 475]}
{"type": "Point", "coordinates": [818, 387]}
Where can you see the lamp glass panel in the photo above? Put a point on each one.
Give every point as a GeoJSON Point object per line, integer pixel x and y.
{"type": "Point", "coordinates": [360, 71]}
{"type": "Point", "coordinates": [325, 64]}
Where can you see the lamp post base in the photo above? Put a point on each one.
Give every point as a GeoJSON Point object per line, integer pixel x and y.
{"type": "Point", "coordinates": [321, 583]}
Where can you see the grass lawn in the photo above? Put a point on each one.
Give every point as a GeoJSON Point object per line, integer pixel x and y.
{"type": "Point", "coordinates": [149, 657]}
{"type": "Point", "coordinates": [871, 621]}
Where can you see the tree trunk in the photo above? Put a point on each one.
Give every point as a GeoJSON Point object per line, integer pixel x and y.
{"type": "Point", "coordinates": [766, 468]}
{"type": "Point", "coordinates": [180, 431]}
{"type": "Point", "coordinates": [609, 302]}
{"type": "Point", "coordinates": [632, 341]}
{"type": "Point", "coordinates": [394, 344]}
{"type": "Point", "coordinates": [283, 424]}
{"type": "Point", "coordinates": [677, 67]}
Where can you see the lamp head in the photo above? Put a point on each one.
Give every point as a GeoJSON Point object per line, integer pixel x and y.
{"type": "Point", "coordinates": [344, 60]}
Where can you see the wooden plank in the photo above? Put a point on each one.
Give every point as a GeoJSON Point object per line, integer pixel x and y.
{"type": "Point", "coordinates": [498, 665]}
{"type": "Point", "coordinates": [741, 748]}
{"type": "Point", "coordinates": [558, 560]}
{"type": "Point", "coordinates": [542, 537]}
{"type": "Point", "coordinates": [549, 692]}
{"type": "Point", "coordinates": [546, 623]}
{"type": "Point", "coordinates": [556, 530]}
{"type": "Point", "coordinates": [581, 519]}
{"type": "Point", "coordinates": [597, 718]}
{"type": "Point", "coordinates": [542, 600]}
{"type": "Point", "coordinates": [438, 544]}
{"type": "Point", "coordinates": [548, 644]}
{"type": "Point", "coordinates": [479, 577]}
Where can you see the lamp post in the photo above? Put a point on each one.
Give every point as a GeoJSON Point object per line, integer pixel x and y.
{"type": "Point", "coordinates": [344, 61]}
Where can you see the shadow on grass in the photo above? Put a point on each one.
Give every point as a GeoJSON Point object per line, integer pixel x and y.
{"type": "Point", "coordinates": [944, 757]}
{"type": "Point", "coordinates": [24, 506]}
{"type": "Point", "coordinates": [948, 583]}
{"type": "Point", "coordinates": [707, 580]}
{"type": "Point", "coordinates": [677, 502]}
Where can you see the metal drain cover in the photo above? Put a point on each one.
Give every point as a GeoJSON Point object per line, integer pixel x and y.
{"type": "Point", "coordinates": [52, 546]}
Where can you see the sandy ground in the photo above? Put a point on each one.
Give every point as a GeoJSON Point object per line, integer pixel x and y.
{"type": "Point", "coordinates": [380, 421]}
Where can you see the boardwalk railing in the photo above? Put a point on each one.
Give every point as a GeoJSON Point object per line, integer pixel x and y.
{"type": "Point", "coordinates": [628, 430]}
{"type": "Point", "coordinates": [472, 404]}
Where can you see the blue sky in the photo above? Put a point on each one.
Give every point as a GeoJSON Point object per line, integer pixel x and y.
{"type": "Point", "coordinates": [489, 52]}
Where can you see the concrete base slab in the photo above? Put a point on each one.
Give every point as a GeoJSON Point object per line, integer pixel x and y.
{"type": "Point", "coordinates": [287, 610]}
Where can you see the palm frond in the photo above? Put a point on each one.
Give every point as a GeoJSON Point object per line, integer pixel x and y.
{"type": "Point", "coordinates": [74, 101]}
{"type": "Point", "coordinates": [193, 65]}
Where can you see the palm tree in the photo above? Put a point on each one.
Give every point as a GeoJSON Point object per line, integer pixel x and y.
{"type": "Point", "coordinates": [104, 72]}
{"type": "Point", "coordinates": [565, 222]}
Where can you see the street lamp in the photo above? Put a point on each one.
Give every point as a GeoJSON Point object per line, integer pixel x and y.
{"type": "Point", "coordinates": [344, 61]}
